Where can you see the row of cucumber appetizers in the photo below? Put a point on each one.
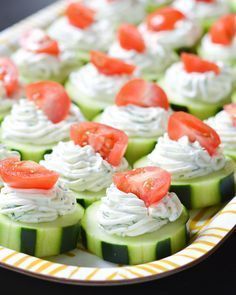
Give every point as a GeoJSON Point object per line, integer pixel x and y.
{"type": "Point", "coordinates": [65, 180]}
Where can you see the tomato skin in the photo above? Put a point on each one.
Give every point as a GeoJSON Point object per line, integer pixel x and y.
{"type": "Point", "coordinates": [130, 38]}
{"type": "Point", "coordinates": [206, 1]}
{"type": "Point", "coordinates": [164, 19]}
{"type": "Point", "coordinates": [51, 97]}
{"type": "Point", "coordinates": [9, 76]}
{"type": "Point", "coordinates": [109, 65]}
{"type": "Point", "coordinates": [80, 16]}
{"type": "Point", "coordinates": [142, 93]}
{"type": "Point", "coordinates": [26, 174]}
{"type": "Point", "coordinates": [231, 110]}
{"type": "Point", "coordinates": [38, 41]}
{"type": "Point", "coordinates": [150, 184]}
{"type": "Point", "coordinates": [223, 31]}
{"type": "Point", "coordinates": [109, 142]}
{"type": "Point", "coordinates": [183, 124]}
{"type": "Point", "coordinates": [195, 64]}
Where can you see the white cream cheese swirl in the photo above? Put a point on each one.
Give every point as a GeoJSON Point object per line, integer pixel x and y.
{"type": "Point", "coordinates": [136, 121]}
{"type": "Point", "coordinates": [37, 66]}
{"type": "Point", "coordinates": [89, 82]}
{"type": "Point", "coordinates": [80, 168]}
{"type": "Point", "coordinates": [201, 10]}
{"type": "Point", "coordinates": [29, 125]}
{"type": "Point", "coordinates": [124, 214]}
{"type": "Point", "coordinates": [185, 34]}
{"type": "Point", "coordinates": [35, 205]}
{"type": "Point", "coordinates": [184, 159]}
{"type": "Point", "coordinates": [217, 52]}
{"type": "Point", "coordinates": [119, 11]}
{"type": "Point", "coordinates": [154, 60]}
{"type": "Point", "coordinates": [223, 124]}
{"type": "Point", "coordinates": [207, 87]}
{"type": "Point", "coordinates": [97, 36]}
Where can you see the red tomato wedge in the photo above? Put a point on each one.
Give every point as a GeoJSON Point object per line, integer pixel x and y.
{"type": "Point", "coordinates": [110, 66]}
{"type": "Point", "coordinates": [51, 97]}
{"type": "Point", "coordinates": [109, 142]}
{"type": "Point", "coordinates": [206, 1]}
{"type": "Point", "coordinates": [9, 76]}
{"type": "Point", "coordinates": [195, 64]}
{"type": "Point", "coordinates": [224, 30]}
{"type": "Point", "coordinates": [164, 19]}
{"type": "Point", "coordinates": [150, 184]}
{"type": "Point", "coordinates": [130, 38]}
{"type": "Point", "coordinates": [26, 174]}
{"type": "Point", "coordinates": [142, 93]}
{"type": "Point", "coordinates": [80, 16]}
{"type": "Point", "coordinates": [231, 110]}
{"type": "Point", "coordinates": [38, 41]}
{"type": "Point", "coordinates": [183, 124]}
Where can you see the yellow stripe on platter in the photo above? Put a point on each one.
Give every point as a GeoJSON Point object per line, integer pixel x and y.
{"type": "Point", "coordinates": [148, 269]}
{"type": "Point", "coordinates": [186, 256]}
{"type": "Point", "coordinates": [74, 271]}
{"type": "Point", "coordinates": [9, 256]}
{"type": "Point", "coordinates": [112, 276]}
{"type": "Point", "coordinates": [92, 274]}
{"type": "Point", "coordinates": [197, 249]}
{"type": "Point", "coordinates": [171, 263]}
{"type": "Point", "coordinates": [207, 243]}
{"type": "Point", "coordinates": [58, 269]}
{"type": "Point", "coordinates": [134, 273]}
{"type": "Point", "coordinates": [33, 263]}
{"type": "Point", "coordinates": [21, 260]}
{"type": "Point", "coordinates": [43, 267]}
{"type": "Point", "coordinates": [158, 266]}
{"type": "Point", "coordinates": [227, 212]}
{"type": "Point", "coordinates": [196, 219]}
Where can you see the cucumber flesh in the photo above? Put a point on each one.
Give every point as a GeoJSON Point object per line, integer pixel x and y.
{"type": "Point", "coordinates": [29, 152]}
{"type": "Point", "coordinates": [42, 239]}
{"type": "Point", "coordinates": [86, 198]}
{"type": "Point", "coordinates": [202, 110]}
{"type": "Point", "coordinates": [133, 250]}
{"type": "Point", "coordinates": [137, 147]}
{"type": "Point", "coordinates": [204, 191]}
{"type": "Point", "coordinates": [89, 107]}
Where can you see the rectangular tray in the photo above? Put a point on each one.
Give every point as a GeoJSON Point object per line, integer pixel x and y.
{"type": "Point", "coordinates": [208, 227]}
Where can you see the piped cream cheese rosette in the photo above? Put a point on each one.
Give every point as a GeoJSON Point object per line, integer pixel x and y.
{"type": "Point", "coordinates": [82, 29]}
{"type": "Point", "coordinates": [198, 86]}
{"type": "Point", "coordinates": [40, 57]}
{"type": "Point", "coordinates": [225, 125]}
{"type": "Point", "coordinates": [39, 121]}
{"type": "Point", "coordinates": [119, 11]}
{"type": "Point", "coordinates": [190, 150]}
{"type": "Point", "coordinates": [150, 58]}
{"type": "Point", "coordinates": [36, 210]}
{"type": "Point", "coordinates": [87, 163]}
{"type": "Point", "coordinates": [136, 215]}
{"type": "Point", "coordinates": [171, 28]}
{"type": "Point", "coordinates": [141, 110]}
{"type": "Point", "coordinates": [94, 86]}
{"type": "Point", "coordinates": [204, 12]}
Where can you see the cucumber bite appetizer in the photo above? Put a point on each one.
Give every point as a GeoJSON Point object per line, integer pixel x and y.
{"type": "Point", "coordinates": [170, 27]}
{"type": "Point", "coordinates": [10, 88]}
{"type": "Point", "coordinates": [41, 58]}
{"type": "Point", "coordinates": [220, 43]}
{"type": "Point", "coordinates": [38, 216]}
{"type": "Point", "coordinates": [225, 125]}
{"type": "Point", "coordinates": [201, 175]}
{"type": "Point", "coordinates": [119, 11]}
{"type": "Point", "coordinates": [87, 163]}
{"type": "Point", "coordinates": [82, 29]}
{"type": "Point", "coordinates": [151, 58]}
{"type": "Point", "coordinates": [40, 121]}
{"type": "Point", "coordinates": [94, 86]}
{"type": "Point", "coordinates": [203, 11]}
{"type": "Point", "coordinates": [138, 220]}
{"type": "Point", "coordinates": [197, 86]}
{"type": "Point", "coordinates": [141, 110]}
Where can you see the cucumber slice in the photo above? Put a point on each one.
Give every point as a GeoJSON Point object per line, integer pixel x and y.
{"type": "Point", "coordinates": [133, 250]}
{"type": "Point", "coordinates": [234, 97]}
{"type": "Point", "coordinates": [42, 239]}
{"type": "Point", "coordinates": [204, 191]}
{"type": "Point", "coordinates": [137, 147]}
{"type": "Point", "coordinates": [29, 152]}
{"type": "Point", "coordinates": [89, 107]}
{"type": "Point", "coordinates": [230, 153]}
{"type": "Point", "coordinates": [86, 198]}
{"type": "Point", "coordinates": [202, 110]}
